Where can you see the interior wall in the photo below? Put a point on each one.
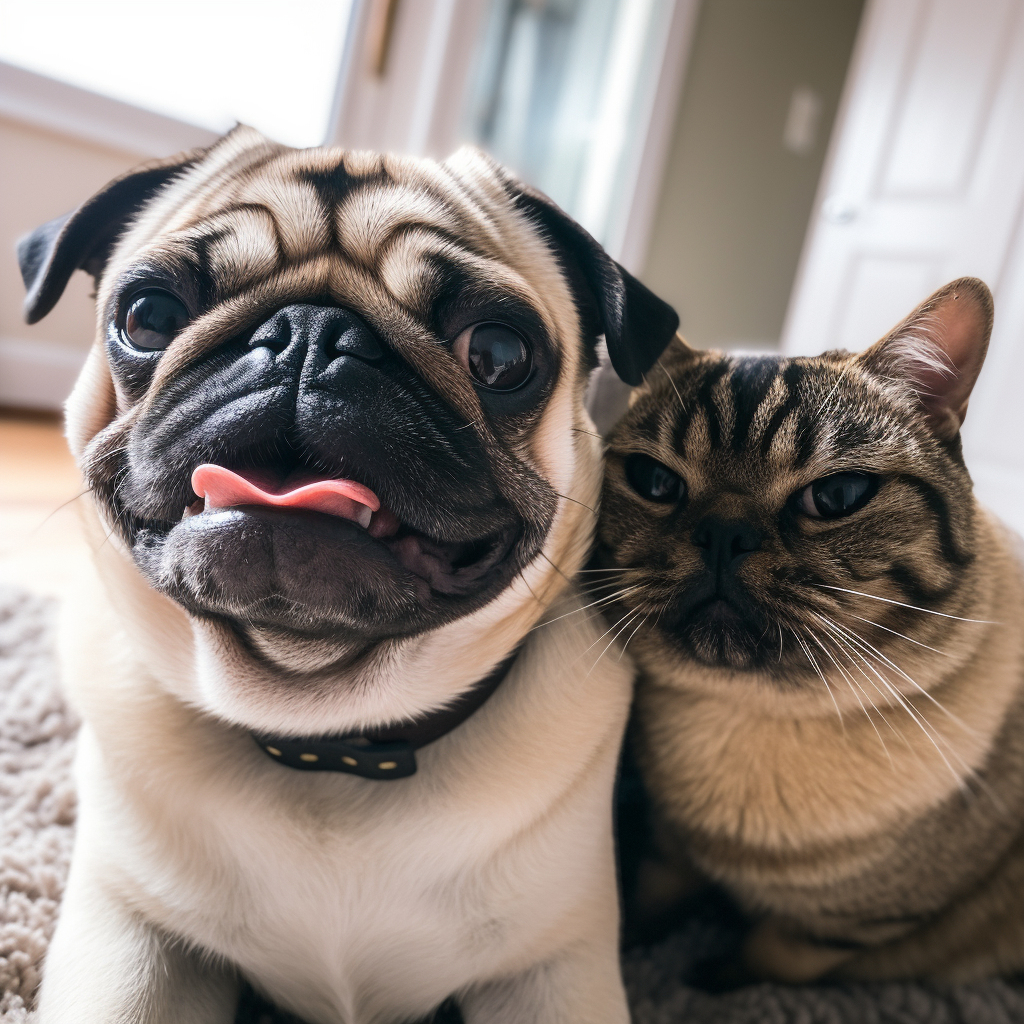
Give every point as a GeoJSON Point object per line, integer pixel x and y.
{"type": "Point", "coordinates": [735, 199]}
{"type": "Point", "coordinates": [43, 175]}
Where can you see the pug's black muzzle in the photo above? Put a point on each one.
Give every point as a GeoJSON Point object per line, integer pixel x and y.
{"type": "Point", "coordinates": [314, 389]}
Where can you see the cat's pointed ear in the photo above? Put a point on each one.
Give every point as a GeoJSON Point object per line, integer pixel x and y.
{"type": "Point", "coordinates": [84, 239]}
{"type": "Point", "coordinates": [636, 324]}
{"type": "Point", "coordinates": [678, 353]}
{"type": "Point", "coordinates": [938, 350]}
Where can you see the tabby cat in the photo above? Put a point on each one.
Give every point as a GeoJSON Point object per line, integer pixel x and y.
{"type": "Point", "coordinates": [830, 713]}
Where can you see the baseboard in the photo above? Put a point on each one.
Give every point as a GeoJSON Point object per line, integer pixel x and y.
{"type": "Point", "coordinates": [37, 374]}
{"type": "Point", "coordinates": [68, 110]}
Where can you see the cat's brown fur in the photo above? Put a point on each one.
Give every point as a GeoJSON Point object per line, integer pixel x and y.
{"type": "Point", "coordinates": [850, 767]}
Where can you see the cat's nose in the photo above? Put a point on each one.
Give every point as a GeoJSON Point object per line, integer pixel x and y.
{"type": "Point", "coordinates": [723, 542]}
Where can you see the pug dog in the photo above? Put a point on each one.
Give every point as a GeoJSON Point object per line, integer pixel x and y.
{"type": "Point", "coordinates": [348, 732]}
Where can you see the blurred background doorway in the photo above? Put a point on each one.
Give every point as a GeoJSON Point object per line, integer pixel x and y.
{"type": "Point", "coordinates": [687, 135]}
{"type": "Point", "coordinates": [791, 174]}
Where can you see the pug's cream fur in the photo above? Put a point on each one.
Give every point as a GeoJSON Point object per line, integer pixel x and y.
{"type": "Point", "coordinates": [489, 875]}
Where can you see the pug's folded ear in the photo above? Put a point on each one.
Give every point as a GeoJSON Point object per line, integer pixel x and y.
{"type": "Point", "coordinates": [636, 324]}
{"type": "Point", "coordinates": [84, 239]}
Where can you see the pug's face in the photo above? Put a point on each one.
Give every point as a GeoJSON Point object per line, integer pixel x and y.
{"type": "Point", "coordinates": [339, 396]}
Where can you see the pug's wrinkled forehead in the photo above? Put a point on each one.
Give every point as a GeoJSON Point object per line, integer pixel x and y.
{"type": "Point", "coordinates": [417, 249]}
{"type": "Point", "coordinates": [341, 388]}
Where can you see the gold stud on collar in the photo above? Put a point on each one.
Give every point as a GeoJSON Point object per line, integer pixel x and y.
{"type": "Point", "coordinates": [385, 765]}
{"type": "Point", "coordinates": [308, 757]}
{"type": "Point", "coordinates": [350, 761]}
{"type": "Point", "coordinates": [274, 751]}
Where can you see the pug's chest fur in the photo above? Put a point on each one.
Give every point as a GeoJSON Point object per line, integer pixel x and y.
{"type": "Point", "coordinates": [348, 898]}
{"type": "Point", "coordinates": [336, 920]}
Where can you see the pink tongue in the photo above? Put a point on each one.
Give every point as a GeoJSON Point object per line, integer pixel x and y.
{"type": "Point", "coordinates": [223, 488]}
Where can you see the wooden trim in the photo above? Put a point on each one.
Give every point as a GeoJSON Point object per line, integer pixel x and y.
{"type": "Point", "coordinates": [378, 35]}
{"type": "Point", "coordinates": [46, 103]}
{"type": "Point", "coordinates": [415, 106]}
{"type": "Point", "coordinates": [37, 374]}
{"type": "Point", "coordinates": [644, 184]}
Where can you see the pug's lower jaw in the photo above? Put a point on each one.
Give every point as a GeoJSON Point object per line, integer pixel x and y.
{"type": "Point", "coordinates": [321, 574]}
{"type": "Point", "coordinates": [317, 574]}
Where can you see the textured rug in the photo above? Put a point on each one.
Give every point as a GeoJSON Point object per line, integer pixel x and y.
{"type": "Point", "coordinates": [37, 809]}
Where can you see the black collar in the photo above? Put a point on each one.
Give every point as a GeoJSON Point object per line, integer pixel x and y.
{"type": "Point", "coordinates": [387, 753]}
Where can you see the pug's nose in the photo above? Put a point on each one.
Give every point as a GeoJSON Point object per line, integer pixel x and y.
{"type": "Point", "coordinates": [724, 542]}
{"type": "Point", "coordinates": [334, 332]}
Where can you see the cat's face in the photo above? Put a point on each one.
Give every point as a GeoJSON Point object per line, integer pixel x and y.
{"type": "Point", "coordinates": [777, 515]}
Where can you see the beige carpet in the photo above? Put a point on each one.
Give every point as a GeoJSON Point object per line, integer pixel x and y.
{"type": "Point", "coordinates": [37, 803]}
{"type": "Point", "coordinates": [36, 826]}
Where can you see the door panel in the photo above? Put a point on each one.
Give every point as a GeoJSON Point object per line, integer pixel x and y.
{"type": "Point", "coordinates": [874, 298]}
{"type": "Point", "coordinates": [926, 173]}
{"type": "Point", "coordinates": [940, 117]}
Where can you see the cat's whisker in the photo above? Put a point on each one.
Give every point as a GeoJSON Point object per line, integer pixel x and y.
{"type": "Point", "coordinates": [672, 382]}
{"type": "Point", "coordinates": [612, 581]}
{"type": "Point", "coordinates": [605, 588]}
{"type": "Point", "coordinates": [896, 632]}
{"type": "Point", "coordinates": [611, 642]}
{"type": "Point", "coordinates": [968, 771]}
{"type": "Point", "coordinates": [912, 607]}
{"type": "Point", "coordinates": [821, 675]}
{"type": "Point", "coordinates": [828, 398]}
{"type": "Point", "coordinates": [628, 614]}
{"type": "Point", "coordinates": [633, 634]}
{"type": "Point", "coordinates": [857, 691]}
{"type": "Point", "coordinates": [934, 736]}
{"type": "Point", "coordinates": [607, 599]}
{"type": "Point", "coordinates": [853, 641]}
{"type": "Point", "coordinates": [610, 595]}
{"type": "Point", "coordinates": [855, 660]}
{"type": "Point", "coordinates": [921, 689]}
{"type": "Point", "coordinates": [913, 682]}
{"type": "Point", "coordinates": [592, 584]}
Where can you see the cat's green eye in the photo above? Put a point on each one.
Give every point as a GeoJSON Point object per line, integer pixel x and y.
{"type": "Point", "coordinates": [653, 481]}
{"type": "Point", "coordinates": [837, 495]}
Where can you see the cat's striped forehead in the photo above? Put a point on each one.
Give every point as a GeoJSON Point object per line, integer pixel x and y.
{"type": "Point", "coordinates": [791, 413]}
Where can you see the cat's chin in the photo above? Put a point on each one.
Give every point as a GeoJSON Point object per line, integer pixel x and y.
{"type": "Point", "coordinates": [717, 634]}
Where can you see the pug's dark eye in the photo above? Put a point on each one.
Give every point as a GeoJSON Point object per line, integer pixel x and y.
{"type": "Point", "coordinates": [497, 357]}
{"type": "Point", "coordinates": [153, 320]}
{"type": "Point", "coordinates": [837, 495]}
{"type": "Point", "coordinates": [654, 481]}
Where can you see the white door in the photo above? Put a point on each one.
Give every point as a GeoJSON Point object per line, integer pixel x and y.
{"type": "Point", "coordinates": [925, 183]}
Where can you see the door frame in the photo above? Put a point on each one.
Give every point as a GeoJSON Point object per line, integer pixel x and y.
{"type": "Point", "coordinates": [414, 105]}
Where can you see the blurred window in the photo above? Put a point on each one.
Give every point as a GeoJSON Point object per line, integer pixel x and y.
{"type": "Point", "coordinates": [558, 96]}
{"type": "Point", "coordinates": [270, 64]}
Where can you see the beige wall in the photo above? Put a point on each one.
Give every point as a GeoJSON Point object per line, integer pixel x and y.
{"type": "Point", "coordinates": [735, 201]}
{"type": "Point", "coordinates": [42, 175]}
